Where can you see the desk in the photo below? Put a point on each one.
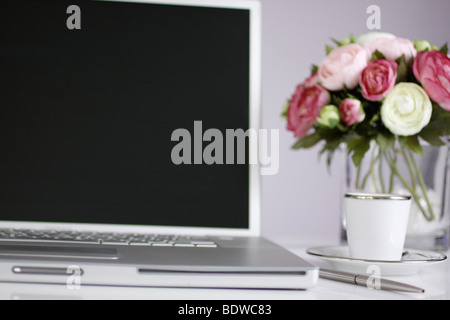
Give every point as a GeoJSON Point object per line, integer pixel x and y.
{"type": "Point", "coordinates": [434, 279]}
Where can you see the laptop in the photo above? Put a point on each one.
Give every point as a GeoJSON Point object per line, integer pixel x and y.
{"type": "Point", "coordinates": [125, 147]}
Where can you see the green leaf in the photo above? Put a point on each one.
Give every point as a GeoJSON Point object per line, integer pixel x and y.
{"type": "Point", "coordinates": [413, 143]}
{"type": "Point", "coordinates": [358, 148]}
{"type": "Point", "coordinates": [385, 141]}
{"type": "Point", "coordinates": [328, 49]}
{"type": "Point", "coordinates": [332, 144]}
{"type": "Point", "coordinates": [330, 157]}
{"type": "Point", "coordinates": [444, 49]}
{"type": "Point", "coordinates": [308, 141]}
{"type": "Point", "coordinates": [333, 138]}
{"type": "Point", "coordinates": [402, 73]}
{"type": "Point", "coordinates": [377, 55]}
{"type": "Point", "coordinates": [314, 69]}
{"type": "Point", "coordinates": [375, 119]}
{"type": "Point", "coordinates": [439, 125]}
{"type": "Point", "coordinates": [337, 42]}
{"type": "Point", "coordinates": [285, 109]}
{"type": "Point", "coordinates": [432, 139]}
{"type": "Point", "coordinates": [336, 100]}
{"type": "Point", "coordinates": [438, 128]}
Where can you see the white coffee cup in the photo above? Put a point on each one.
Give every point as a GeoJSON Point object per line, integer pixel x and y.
{"type": "Point", "coordinates": [376, 225]}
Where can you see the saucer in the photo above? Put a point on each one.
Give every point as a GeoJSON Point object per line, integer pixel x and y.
{"type": "Point", "coordinates": [412, 261]}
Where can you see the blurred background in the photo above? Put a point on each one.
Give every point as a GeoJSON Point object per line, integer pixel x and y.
{"type": "Point", "coordinates": [301, 204]}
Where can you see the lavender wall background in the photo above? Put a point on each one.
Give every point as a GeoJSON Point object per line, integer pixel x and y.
{"type": "Point", "coordinates": [301, 203]}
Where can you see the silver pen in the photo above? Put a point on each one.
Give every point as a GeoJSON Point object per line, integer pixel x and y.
{"type": "Point", "coordinates": [362, 280]}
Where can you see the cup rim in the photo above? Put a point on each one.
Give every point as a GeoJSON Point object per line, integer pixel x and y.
{"type": "Point", "coordinates": [377, 196]}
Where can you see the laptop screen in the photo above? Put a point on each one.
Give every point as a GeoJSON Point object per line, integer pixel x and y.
{"type": "Point", "coordinates": [105, 111]}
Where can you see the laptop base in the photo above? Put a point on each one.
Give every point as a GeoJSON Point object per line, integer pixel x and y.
{"type": "Point", "coordinates": [255, 264]}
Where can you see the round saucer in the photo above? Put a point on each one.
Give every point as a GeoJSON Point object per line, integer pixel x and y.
{"type": "Point", "coordinates": [412, 261]}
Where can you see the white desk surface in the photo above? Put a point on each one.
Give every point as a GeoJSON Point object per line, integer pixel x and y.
{"type": "Point", "coordinates": [434, 279]}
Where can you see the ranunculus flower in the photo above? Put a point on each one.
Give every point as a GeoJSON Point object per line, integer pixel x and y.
{"type": "Point", "coordinates": [378, 79]}
{"type": "Point", "coordinates": [365, 38]}
{"type": "Point", "coordinates": [343, 67]}
{"type": "Point", "coordinates": [406, 110]}
{"type": "Point", "coordinates": [352, 111]}
{"type": "Point", "coordinates": [314, 79]}
{"type": "Point", "coordinates": [392, 49]}
{"type": "Point", "coordinates": [305, 107]}
{"type": "Point", "coordinates": [422, 45]}
{"type": "Point", "coordinates": [329, 117]}
{"type": "Point", "coordinates": [432, 69]}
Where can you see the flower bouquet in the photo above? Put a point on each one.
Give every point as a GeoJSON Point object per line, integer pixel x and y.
{"type": "Point", "coordinates": [378, 92]}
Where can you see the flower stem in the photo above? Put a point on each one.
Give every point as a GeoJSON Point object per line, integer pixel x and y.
{"type": "Point", "coordinates": [380, 172]}
{"type": "Point", "coordinates": [423, 187]}
{"type": "Point", "coordinates": [407, 186]}
{"type": "Point", "coordinates": [358, 177]}
{"type": "Point", "coordinates": [394, 163]}
{"type": "Point", "coordinates": [372, 171]}
{"type": "Point", "coordinates": [408, 164]}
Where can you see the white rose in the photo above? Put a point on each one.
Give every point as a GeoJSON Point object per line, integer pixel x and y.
{"type": "Point", "coordinates": [365, 38]}
{"type": "Point", "coordinates": [406, 110]}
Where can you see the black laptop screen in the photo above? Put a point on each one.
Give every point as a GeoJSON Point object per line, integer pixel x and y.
{"type": "Point", "coordinates": [87, 115]}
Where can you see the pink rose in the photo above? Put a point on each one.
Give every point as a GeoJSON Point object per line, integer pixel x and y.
{"type": "Point", "coordinates": [343, 67]}
{"type": "Point", "coordinates": [432, 69]}
{"type": "Point", "coordinates": [305, 107]}
{"type": "Point", "coordinates": [314, 79]}
{"type": "Point", "coordinates": [392, 49]}
{"type": "Point", "coordinates": [378, 79]}
{"type": "Point", "coordinates": [352, 111]}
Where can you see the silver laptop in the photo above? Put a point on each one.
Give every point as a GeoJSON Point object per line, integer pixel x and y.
{"type": "Point", "coordinates": [122, 148]}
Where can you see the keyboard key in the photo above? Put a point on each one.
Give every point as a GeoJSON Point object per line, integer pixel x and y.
{"type": "Point", "coordinates": [203, 242]}
{"type": "Point", "coordinates": [124, 239]}
{"type": "Point", "coordinates": [140, 244]}
{"type": "Point", "coordinates": [162, 245]}
{"type": "Point", "coordinates": [115, 243]}
{"type": "Point", "coordinates": [185, 245]}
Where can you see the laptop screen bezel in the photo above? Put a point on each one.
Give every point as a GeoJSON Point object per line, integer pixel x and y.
{"type": "Point", "coordinates": [255, 60]}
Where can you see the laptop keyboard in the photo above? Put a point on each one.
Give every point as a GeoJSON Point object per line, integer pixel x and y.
{"type": "Point", "coordinates": [125, 239]}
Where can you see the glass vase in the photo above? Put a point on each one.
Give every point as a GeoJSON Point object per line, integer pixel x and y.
{"type": "Point", "coordinates": [401, 171]}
